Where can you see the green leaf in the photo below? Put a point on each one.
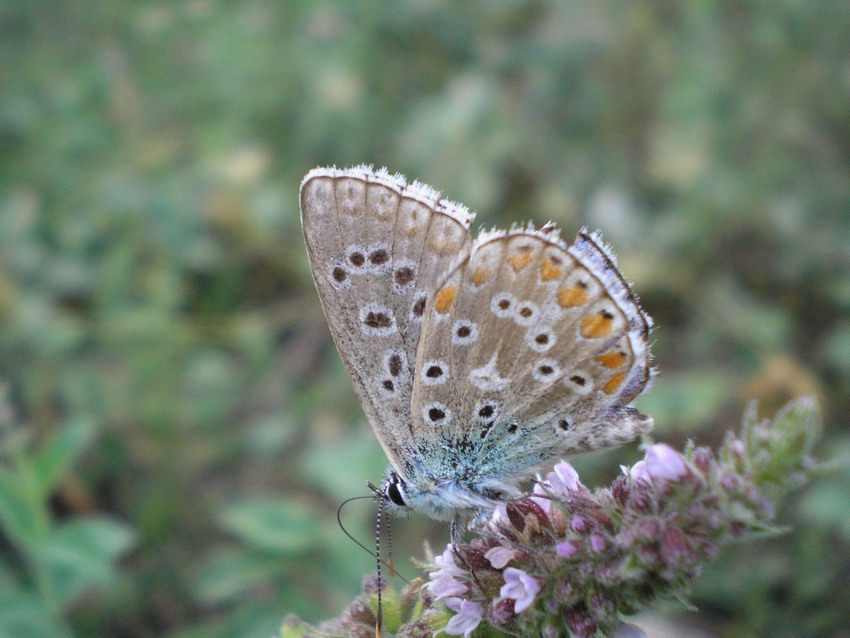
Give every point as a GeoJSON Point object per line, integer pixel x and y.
{"type": "Point", "coordinates": [81, 555]}
{"type": "Point", "coordinates": [22, 517]}
{"type": "Point", "coordinates": [56, 457]}
{"type": "Point", "coordinates": [281, 526]}
{"type": "Point", "coordinates": [22, 614]}
{"type": "Point", "coordinates": [231, 573]}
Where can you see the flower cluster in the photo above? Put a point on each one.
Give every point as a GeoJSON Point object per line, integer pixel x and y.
{"type": "Point", "coordinates": [566, 560]}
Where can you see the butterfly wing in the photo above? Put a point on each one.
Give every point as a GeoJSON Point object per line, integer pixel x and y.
{"type": "Point", "coordinates": [377, 245]}
{"type": "Point", "coordinates": [545, 346]}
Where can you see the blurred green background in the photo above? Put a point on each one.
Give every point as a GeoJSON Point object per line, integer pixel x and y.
{"type": "Point", "coordinates": [176, 428]}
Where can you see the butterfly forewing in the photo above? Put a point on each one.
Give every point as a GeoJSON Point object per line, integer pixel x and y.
{"type": "Point", "coordinates": [377, 246]}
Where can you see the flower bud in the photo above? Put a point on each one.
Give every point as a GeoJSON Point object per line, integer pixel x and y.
{"type": "Point", "coordinates": [597, 543]}
{"type": "Point", "coordinates": [675, 548]}
{"type": "Point", "coordinates": [579, 524]}
{"type": "Point", "coordinates": [640, 500]}
{"type": "Point", "coordinates": [620, 490]}
{"type": "Point", "coordinates": [580, 623]}
{"type": "Point", "coordinates": [568, 549]}
{"type": "Point", "coordinates": [502, 612]}
{"type": "Point", "coordinates": [702, 458]}
{"type": "Point", "coordinates": [649, 528]}
{"type": "Point", "coordinates": [515, 516]}
{"type": "Point", "coordinates": [665, 464]}
{"type": "Point", "coordinates": [373, 582]}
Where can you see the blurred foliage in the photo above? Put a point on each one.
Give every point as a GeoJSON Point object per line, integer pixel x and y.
{"type": "Point", "coordinates": [172, 386]}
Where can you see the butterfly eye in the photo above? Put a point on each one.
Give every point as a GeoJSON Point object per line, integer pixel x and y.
{"type": "Point", "coordinates": [394, 494]}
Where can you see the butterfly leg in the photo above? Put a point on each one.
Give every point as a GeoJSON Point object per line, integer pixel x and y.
{"type": "Point", "coordinates": [455, 540]}
{"type": "Point", "coordinates": [455, 531]}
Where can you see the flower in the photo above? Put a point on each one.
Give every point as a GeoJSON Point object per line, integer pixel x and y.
{"type": "Point", "coordinates": [597, 543]}
{"type": "Point", "coordinates": [500, 515]}
{"type": "Point", "coordinates": [446, 561]}
{"type": "Point", "coordinates": [443, 586]}
{"type": "Point", "coordinates": [467, 617]}
{"type": "Point", "coordinates": [520, 587]}
{"type": "Point", "coordinates": [443, 582]}
{"type": "Point", "coordinates": [596, 555]}
{"type": "Point", "coordinates": [665, 464]}
{"type": "Point", "coordinates": [500, 556]}
{"type": "Point", "coordinates": [637, 471]}
{"type": "Point", "coordinates": [563, 479]}
{"type": "Point", "coordinates": [567, 549]}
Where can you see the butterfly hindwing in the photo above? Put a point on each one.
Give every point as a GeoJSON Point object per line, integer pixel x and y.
{"type": "Point", "coordinates": [543, 347]}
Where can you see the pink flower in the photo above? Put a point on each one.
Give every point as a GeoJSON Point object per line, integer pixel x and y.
{"type": "Point", "coordinates": [597, 543]}
{"type": "Point", "coordinates": [663, 463]}
{"type": "Point", "coordinates": [500, 556]}
{"type": "Point", "coordinates": [443, 582]}
{"type": "Point", "coordinates": [444, 586]}
{"type": "Point", "coordinates": [562, 480]}
{"type": "Point", "coordinates": [467, 617]}
{"type": "Point", "coordinates": [446, 564]}
{"type": "Point", "coordinates": [567, 549]}
{"type": "Point", "coordinates": [675, 548]}
{"type": "Point", "coordinates": [500, 515]}
{"type": "Point", "coordinates": [520, 587]}
{"type": "Point", "coordinates": [579, 525]}
{"type": "Point", "coordinates": [638, 472]}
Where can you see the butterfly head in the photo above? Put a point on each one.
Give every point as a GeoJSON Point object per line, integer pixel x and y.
{"type": "Point", "coordinates": [392, 491]}
{"type": "Point", "coordinates": [442, 500]}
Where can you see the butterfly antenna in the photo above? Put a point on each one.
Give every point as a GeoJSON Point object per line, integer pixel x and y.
{"type": "Point", "coordinates": [379, 619]}
{"type": "Point", "coordinates": [390, 564]}
{"type": "Point", "coordinates": [357, 542]}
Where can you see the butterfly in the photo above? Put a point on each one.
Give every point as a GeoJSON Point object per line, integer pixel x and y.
{"type": "Point", "coordinates": [477, 362]}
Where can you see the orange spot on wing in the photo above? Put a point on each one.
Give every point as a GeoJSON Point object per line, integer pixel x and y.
{"type": "Point", "coordinates": [597, 325]}
{"type": "Point", "coordinates": [518, 262]}
{"type": "Point", "coordinates": [572, 296]}
{"type": "Point", "coordinates": [480, 275]}
{"type": "Point", "coordinates": [445, 299]}
{"type": "Point", "coordinates": [613, 383]}
{"type": "Point", "coordinates": [549, 271]}
{"type": "Point", "coordinates": [445, 244]}
{"type": "Point", "coordinates": [613, 359]}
